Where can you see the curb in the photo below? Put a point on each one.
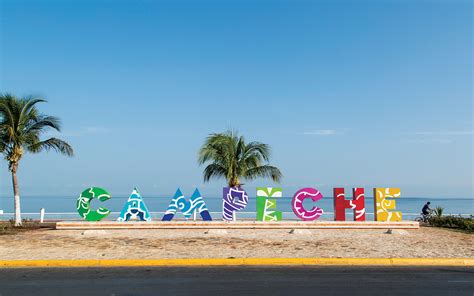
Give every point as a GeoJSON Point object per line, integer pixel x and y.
{"type": "Point", "coordinates": [241, 262]}
{"type": "Point", "coordinates": [83, 225]}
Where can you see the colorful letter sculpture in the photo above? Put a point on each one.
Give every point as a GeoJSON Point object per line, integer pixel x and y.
{"type": "Point", "coordinates": [134, 209]}
{"type": "Point", "coordinates": [266, 204]}
{"type": "Point", "coordinates": [357, 203]}
{"type": "Point", "coordinates": [234, 199]}
{"type": "Point", "coordinates": [196, 202]}
{"type": "Point", "coordinates": [297, 204]}
{"type": "Point", "coordinates": [382, 205]}
{"type": "Point", "coordinates": [84, 204]}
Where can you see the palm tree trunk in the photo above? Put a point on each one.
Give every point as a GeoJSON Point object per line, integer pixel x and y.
{"type": "Point", "coordinates": [234, 182]}
{"type": "Point", "coordinates": [16, 193]}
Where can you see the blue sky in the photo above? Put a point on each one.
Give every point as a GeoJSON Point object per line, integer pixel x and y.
{"type": "Point", "coordinates": [347, 93]}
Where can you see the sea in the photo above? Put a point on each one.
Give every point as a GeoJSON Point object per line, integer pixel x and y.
{"type": "Point", "coordinates": [64, 208]}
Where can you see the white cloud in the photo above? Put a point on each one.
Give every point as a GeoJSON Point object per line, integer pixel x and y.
{"type": "Point", "coordinates": [445, 133]}
{"type": "Point", "coordinates": [440, 137]}
{"type": "Point", "coordinates": [323, 132]}
{"type": "Point", "coordinates": [438, 140]}
{"type": "Point", "coordinates": [96, 130]}
{"type": "Point", "coordinates": [442, 141]}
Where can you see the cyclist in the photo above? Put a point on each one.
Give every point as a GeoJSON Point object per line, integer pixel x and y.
{"type": "Point", "coordinates": [426, 209]}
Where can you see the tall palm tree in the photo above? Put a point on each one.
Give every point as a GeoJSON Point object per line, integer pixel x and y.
{"type": "Point", "coordinates": [228, 156]}
{"type": "Point", "coordinates": [21, 125]}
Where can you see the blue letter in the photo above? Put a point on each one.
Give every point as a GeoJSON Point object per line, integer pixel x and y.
{"type": "Point", "coordinates": [134, 208]}
{"type": "Point", "coordinates": [196, 202]}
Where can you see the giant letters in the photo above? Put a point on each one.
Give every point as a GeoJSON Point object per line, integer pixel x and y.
{"type": "Point", "coordinates": [266, 204]}
{"type": "Point", "coordinates": [357, 204]}
{"type": "Point", "coordinates": [134, 209]}
{"type": "Point", "coordinates": [297, 204]}
{"type": "Point", "coordinates": [233, 199]}
{"type": "Point", "coordinates": [84, 204]}
{"type": "Point", "coordinates": [196, 202]}
{"type": "Point", "coordinates": [382, 204]}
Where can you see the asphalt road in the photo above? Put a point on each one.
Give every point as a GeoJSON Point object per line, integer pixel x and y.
{"type": "Point", "coordinates": [230, 281]}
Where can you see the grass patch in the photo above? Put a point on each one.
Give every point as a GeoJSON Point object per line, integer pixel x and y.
{"type": "Point", "coordinates": [8, 227]}
{"type": "Point", "coordinates": [453, 222]}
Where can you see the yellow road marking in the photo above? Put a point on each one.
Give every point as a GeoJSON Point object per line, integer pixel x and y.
{"type": "Point", "coordinates": [241, 262]}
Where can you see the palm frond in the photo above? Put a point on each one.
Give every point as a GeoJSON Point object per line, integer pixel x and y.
{"type": "Point", "coordinates": [28, 106]}
{"type": "Point", "coordinates": [264, 171]}
{"type": "Point", "coordinates": [214, 170]}
{"type": "Point", "coordinates": [21, 127]}
{"type": "Point", "coordinates": [42, 123]}
{"type": "Point", "coordinates": [52, 144]}
{"type": "Point", "coordinates": [227, 155]}
{"type": "Point", "coordinates": [7, 110]}
{"type": "Point", "coordinates": [263, 150]}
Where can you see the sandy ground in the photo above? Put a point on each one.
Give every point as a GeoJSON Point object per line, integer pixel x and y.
{"type": "Point", "coordinates": [198, 243]}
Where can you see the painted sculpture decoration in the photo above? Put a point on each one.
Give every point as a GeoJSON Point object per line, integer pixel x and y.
{"type": "Point", "coordinates": [266, 203]}
{"type": "Point", "coordinates": [195, 203]}
{"type": "Point", "coordinates": [382, 204]}
{"type": "Point", "coordinates": [297, 204]}
{"type": "Point", "coordinates": [357, 204]}
{"type": "Point", "coordinates": [134, 209]}
{"type": "Point", "coordinates": [235, 199]}
{"type": "Point", "coordinates": [84, 204]}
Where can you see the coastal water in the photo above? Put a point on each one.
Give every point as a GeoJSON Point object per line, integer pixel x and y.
{"type": "Point", "coordinates": [65, 207]}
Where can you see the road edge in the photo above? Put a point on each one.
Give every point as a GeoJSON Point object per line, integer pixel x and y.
{"type": "Point", "coordinates": [240, 262]}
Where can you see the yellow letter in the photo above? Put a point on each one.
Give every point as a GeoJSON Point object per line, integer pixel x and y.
{"type": "Point", "coordinates": [382, 205]}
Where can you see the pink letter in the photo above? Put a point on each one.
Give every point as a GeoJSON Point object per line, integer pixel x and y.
{"type": "Point", "coordinates": [297, 204]}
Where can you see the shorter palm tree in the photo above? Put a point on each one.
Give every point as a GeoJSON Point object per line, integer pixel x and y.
{"type": "Point", "coordinates": [227, 155]}
{"type": "Point", "coordinates": [21, 125]}
{"type": "Point", "coordinates": [438, 211]}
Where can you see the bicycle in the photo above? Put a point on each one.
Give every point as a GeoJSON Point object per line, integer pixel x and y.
{"type": "Point", "coordinates": [424, 218]}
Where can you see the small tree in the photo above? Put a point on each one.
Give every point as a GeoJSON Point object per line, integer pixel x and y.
{"type": "Point", "coordinates": [438, 211]}
{"type": "Point", "coordinates": [21, 126]}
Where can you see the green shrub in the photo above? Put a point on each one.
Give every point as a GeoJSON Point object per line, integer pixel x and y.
{"type": "Point", "coordinates": [438, 211]}
{"type": "Point", "coordinates": [453, 222]}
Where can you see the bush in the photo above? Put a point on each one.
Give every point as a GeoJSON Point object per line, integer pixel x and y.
{"type": "Point", "coordinates": [453, 222]}
{"type": "Point", "coordinates": [8, 227]}
{"type": "Point", "coordinates": [438, 211]}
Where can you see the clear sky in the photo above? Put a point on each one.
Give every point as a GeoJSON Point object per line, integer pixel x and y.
{"type": "Point", "coordinates": [347, 93]}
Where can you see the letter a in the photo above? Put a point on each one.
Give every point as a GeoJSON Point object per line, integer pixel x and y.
{"type": "Point", "coordinates": [134, 209]}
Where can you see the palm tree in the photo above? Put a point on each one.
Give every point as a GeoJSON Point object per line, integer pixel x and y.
{"type": "Point", "coordinates": [228, 156]}
{"type": "Point", "coordinates": [21, 125]}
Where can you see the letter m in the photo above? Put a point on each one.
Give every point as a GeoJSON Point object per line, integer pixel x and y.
{"type": "Point", "coordinates": [195, 203]}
